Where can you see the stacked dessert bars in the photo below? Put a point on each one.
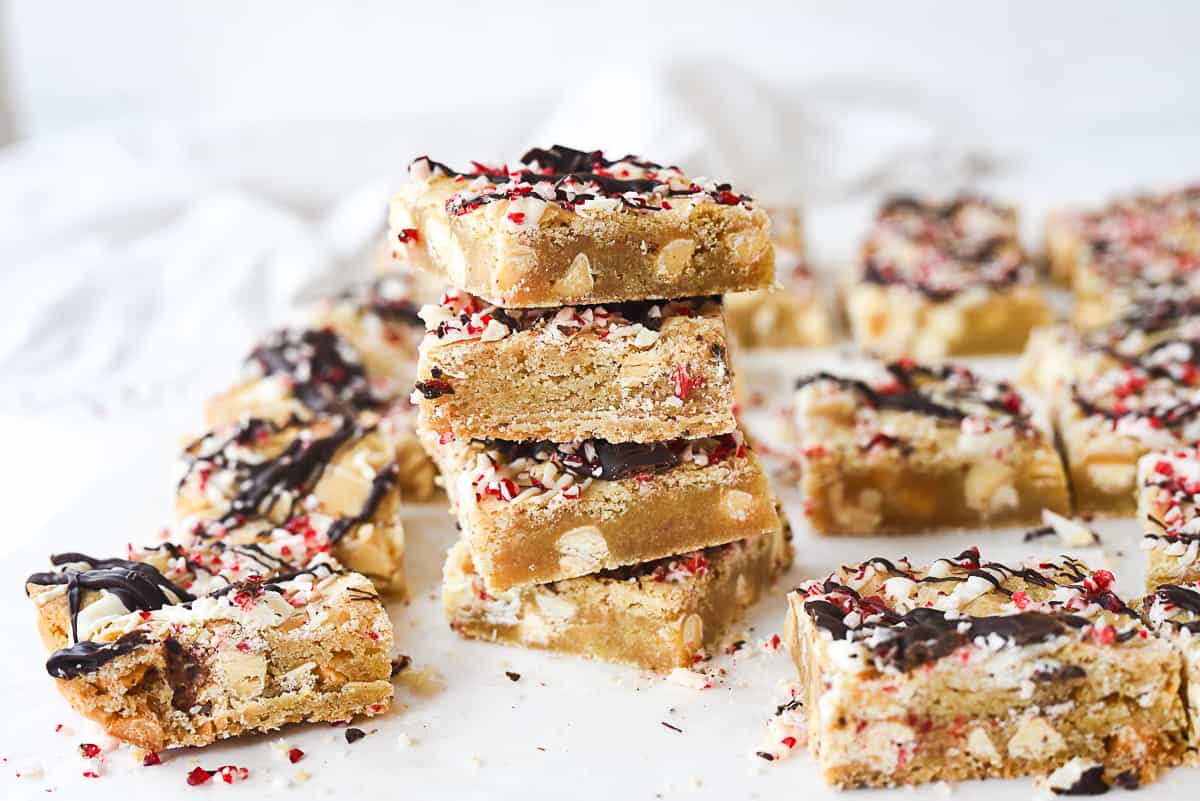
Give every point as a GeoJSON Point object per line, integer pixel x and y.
{"type": "Point", "coordinates": [576, 394]}
{"type": "Point", "coordinates": [260, 604]}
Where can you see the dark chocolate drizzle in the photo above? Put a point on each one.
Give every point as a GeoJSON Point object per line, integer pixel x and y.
{"type": "Point", "coordinates": [381, 485]}
{"type": "Point", "coordinates": [597, 458]}
{"type": "Point", "coordinates": [576, 176]}
{"type": "Point", "coordinates": [87, 657]}
{"type": "Point", "coordinates": [909, 396]}
{"type": "Point", "coordinates": [326, 373]}
{"type": "Point", "coordinates": [1184, 598]}
{"type": "Point", "coordinates": [139, 585]}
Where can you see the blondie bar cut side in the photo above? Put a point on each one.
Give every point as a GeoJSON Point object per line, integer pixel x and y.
{"type": "Point", "coordinates": [1174, 611]}
{"type": "Point", "coordinates": [644, 371]}
{"type": "Point", "coordinates": [1110, 420]}
{"type": "Point", "coordinates": [1168, 489]}
{"type": "Point", "coordinates": [901, 447]}
{"type": "Point", "coordinates": [793, 314]}
{"type": "Point", "coordinates": [969, 669]}
{"type": "Point", "coordinates": [333, 475]}
{"type": "Point", "coordinates": [657, 615]}
{"type": "Point", "coordinates": [252, 646]}
{"type": "Point", "coordinates": [940, 279]}
{"type": "Point", "coordinates": [573, 227]}
{"type": "Point", "coordinates": [538, 512]}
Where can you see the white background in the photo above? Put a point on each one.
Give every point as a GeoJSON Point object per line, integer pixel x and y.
{"type": "Point", "coordinates": [181, 171]}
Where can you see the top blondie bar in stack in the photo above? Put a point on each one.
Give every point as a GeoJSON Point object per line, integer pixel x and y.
{"type": "Point", "coordinates": [575, 391]}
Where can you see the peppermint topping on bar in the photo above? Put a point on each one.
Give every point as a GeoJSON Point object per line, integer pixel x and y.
{"type": "Point", "coordinates": [951, 395]}
{"type": "Point", "coordinates": [462, 316]}
{"type": "Point", "coordinates": [575, 181]}
{"type": "Point", "coordinates": [1175, 477]}
{"type": "Point", "coordinates": [514, 471]}
{"type": "Point", "coordinates": [895, 618]}
{"type": "Point", "coordinates": [323, 370]}
{"type": "Point", "coordinates": [1154, 396]}
{"type": "Point", "coordinates": [1149, 240]}
{"type": "Point", "coordinates": [388, 298]}
{"type": "Point", "coordinates": [1175, 606]}
{"type": "Point", "coordinates": [943, 249]}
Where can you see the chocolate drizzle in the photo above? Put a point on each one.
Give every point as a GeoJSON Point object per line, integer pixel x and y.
{"type": "Point", "coordinates": [909, 393]}
{"type": "Point", "coordinates": [576, 176]}
{"type": "Point", "coordinates": [1184, 598]}
{"type": "Point", "coordinates": [324, 368]}
{"type": "Point", "coordinates": [87, 657]}
{"type": "Point", "coordinates": [139, 585]}
{"type": "Point", "coordinates": [381, 484]}
{"type": "Point", "coordinates": [597, 458]}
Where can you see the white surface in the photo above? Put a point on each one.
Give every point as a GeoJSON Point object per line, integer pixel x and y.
{"type": "Point", "coordinates": [478, 738]}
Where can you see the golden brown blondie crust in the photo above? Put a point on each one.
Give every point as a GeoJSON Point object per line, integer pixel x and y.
{"type": "Point", "coordinates": [570, 227]}
{"type": "Point", "coordinates": [657, 615]}
{"type": "Point", "coordinates": [253, 645]}
{"type": "Point", "coordinates": [644, 371]}
{"type": "Point", "coordinates": [539, 512]}
{"type": "Point", "coordinates": [940, 279]}
{"type": "Point", "coordinates": [968, 669]}
{"type": "Point", "coordinates": [902, 447]}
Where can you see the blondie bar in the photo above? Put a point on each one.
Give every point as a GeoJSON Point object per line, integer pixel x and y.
{"type": "Point", "coordinates": [1112, 419]}
{"type": "Point", "coordinates": [355, 350]}
{"type": "Point", "coordinates": [535, 512]}
{"type": "Point", "coordinates": [657, 615]}
{"type": "Point", "coordinates": [1138, 249]}
{"type": "Point", "coordinates": [1174, 611]}
{"type": "Point", "coordinates": [793, 314]}
{"type": "Point", "coordinates": [1057, 355]}
{"type": "Point", "coordinates": [1168, 488]}
{"type": "Point", "coordinates": [968, 669]}
{"type": "Point", "coordinates": [252, 646]}
{"type": "Point", "coordinates": [334, 476]}
{"type": "Point", "coordinates": [941, 279]}
{"type": "Point", "coordinates": [643, 371]}
{"type": "Point", "coordinates": [569, 227]}
{"type": "Point", "coordinates": [902, 447]}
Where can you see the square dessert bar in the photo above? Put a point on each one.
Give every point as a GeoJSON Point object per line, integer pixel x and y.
{"type": "Point", "coordinates": [1110, 420]}
{"type": "Point", "coordinates": [657, 615]}
{"type": "Point", "coordinates": [793, 314]}
{"type": "Point", "coordinates": [642, 371]}
{"type": "Point", "coordinates": [1174, 611]}
{"type": "Point", "coordinates": [333, 476]}
{"type": "Point", "coordinates": [354, 350]}
{"type": "Point", "coordinates": [903, 447]}
{"type": "Point", "coordinates": [534, 512]}
{"type": "Point", "coordinates": [967, 669]}
{"type": "Point", "coordinates": [1137, 249]}
{"type": "Point", "coordinates": [568, 227]}
{"type": "Point", "coordinates": [1058, 355]}
{"type": "Point", "coordinates": [1167, 497]}
{"type": "Point", "coordinates": [941, 279]}
{"type": "Point", "coordinates": [251, 646]}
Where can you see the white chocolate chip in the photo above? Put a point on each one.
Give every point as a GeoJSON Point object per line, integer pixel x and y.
{"type": "Point", "coordinates": [747, 246]}
{"type": "Point", "coordinates": [577, 282]}
{"type": "Point", "coordinates": [245, 673]}
{"type": "Point", "coordinates": [692, 630]}
{"type": "Point", "coordinates": [674, 258]}
{"type": "Point", "coordinates": [583, 550]}
{"type": "Point", "coordinates": [737, 504]}
{"type": "Point", "coordinates": [1035, 739]}
{"type": "Point", "coordinates": [980, 746]}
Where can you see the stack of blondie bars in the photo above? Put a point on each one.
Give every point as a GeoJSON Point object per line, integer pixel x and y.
{"type": "Point", "coordinates": [576, 394]}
